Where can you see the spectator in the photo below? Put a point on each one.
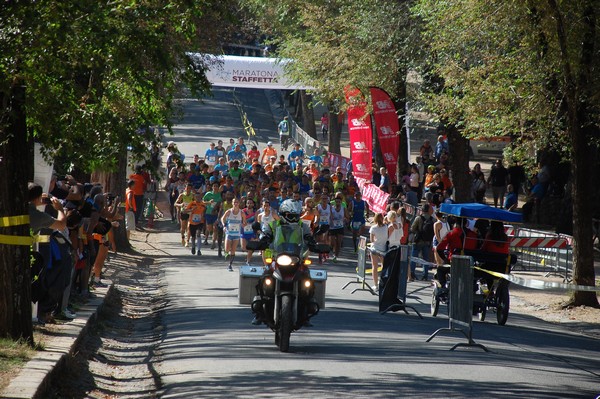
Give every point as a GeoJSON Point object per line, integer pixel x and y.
{"type": "Point", "coordinates": [324, 124]}
{"type": "Point", "coordinates": [534, 198]}
{"type": "Point", "coordinates": [511, 201]}
{"type": "Point", "coordinates": [441, 147]}
{"type": "Point", "coordinates": [138, 191]}
{"type": "Point", "coordinates": [422, 230]}
{"type": "Point", "coordinates": [498, 179]}
{"type": "Point", "coordinates": [130, 207]}
{"type": "Point", "coordinates": [385, 183]}
{"type": "Point", "coordinates": [516, 176]}
{"type": "Point", "coordinates": [426, 153]}
{"type": "Point", "coordinates": [378, 236]}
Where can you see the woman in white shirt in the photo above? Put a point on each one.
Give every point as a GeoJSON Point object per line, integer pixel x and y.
{"type": "Point", "coordinates": [395, 230]}
{"type": "Point", "coordinates": [378, 234]}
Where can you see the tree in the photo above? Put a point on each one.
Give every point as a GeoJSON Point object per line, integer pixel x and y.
{"type": "Point", "coordinates": [82, 78]}
{"type": "Point", "coordinates": [512, 68]}
{"type": "Point", "coordinates": [342, 42]}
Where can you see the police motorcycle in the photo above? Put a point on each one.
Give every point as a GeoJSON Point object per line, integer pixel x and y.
{"type": "Point", "coordinates": [285, 292]}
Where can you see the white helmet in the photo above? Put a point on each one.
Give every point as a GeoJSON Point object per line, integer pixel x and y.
{"type": "Point", "coordinates": [290, 210]}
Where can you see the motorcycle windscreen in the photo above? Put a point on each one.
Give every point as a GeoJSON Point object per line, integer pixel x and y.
{"type": "Point", "coordinates": [289, 239]}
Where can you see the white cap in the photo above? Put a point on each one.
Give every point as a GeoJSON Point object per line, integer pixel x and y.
{"type": "Point", "coordinates": [270, 143]}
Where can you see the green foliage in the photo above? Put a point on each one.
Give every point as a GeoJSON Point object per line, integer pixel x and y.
{"type": "Point", "coordinates": [337, 43]}
{"type": "Point", "coordinates": [97, 72]}
{"type": "Point", "coordinates": [502, 70]}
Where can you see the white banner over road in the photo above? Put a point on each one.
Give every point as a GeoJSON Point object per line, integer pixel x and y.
{"type": "Point", "coordinates": [250, 72]}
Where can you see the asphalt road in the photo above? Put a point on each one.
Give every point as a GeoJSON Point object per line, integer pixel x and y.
{"type": "Point", "coordinates": [210, 349]}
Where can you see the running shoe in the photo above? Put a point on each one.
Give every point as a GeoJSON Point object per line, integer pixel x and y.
{"type": "Point", "coordinates": [193, 250]}
{"type": "Point", "coordinates": [229, 268]}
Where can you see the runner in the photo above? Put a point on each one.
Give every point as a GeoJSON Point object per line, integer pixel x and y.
{"type": "Point", "coordinates": [266, 216]}
{"type": "Point", "coordinates": [182, 202]}
{"type": "Point", "coordinates": [211, 157]}
{"type": "Point", "coordinates": [233, 222]}
{"type": "Point", "coordinates": [212, 199]}
{"type": "Point", "coordinates": [336, 233]}
{"type": "Point", "coordinates": [196, 209]}
{"type": "Point", "coordinates": [267, 153]}
{"type": "Point", "coordinates": [323, 221]}
{"type": "Point", "coordinates": [284, 133]}
{"type": "Point", "coordinates": [248, 234]}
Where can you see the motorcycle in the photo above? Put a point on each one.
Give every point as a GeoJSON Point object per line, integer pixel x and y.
{"type": "Point", "coordinates": [285, 292]}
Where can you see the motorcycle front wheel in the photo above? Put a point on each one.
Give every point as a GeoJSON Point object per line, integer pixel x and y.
{"type": "Point", "coordinates": [285, 326]}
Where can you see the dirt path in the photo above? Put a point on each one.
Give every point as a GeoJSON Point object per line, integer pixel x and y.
{"type": "Point", "coordinates": [116, 359]}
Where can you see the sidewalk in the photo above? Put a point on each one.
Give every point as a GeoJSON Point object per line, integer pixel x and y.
{"type": "Point", "coordinates": [59, 342]}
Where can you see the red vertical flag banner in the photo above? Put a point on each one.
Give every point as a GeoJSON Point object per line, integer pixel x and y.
{"type": "Point", "coordinates": [388, 128]}
{"type": "Point", "coordinates": [361, 136]}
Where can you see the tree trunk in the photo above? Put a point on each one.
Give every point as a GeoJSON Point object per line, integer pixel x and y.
{"type": "Point", "coordinates": [15, 168]}
{"type": "Point", "coordinates": [583, 246]}
{"type": "Point", "coordinates": [576, 92]}
{"type": "Point", "coordinates": [335, 133]}
{"type": "Point", "coordinates": [459, 164]}
{"type": "Point", "coordinates": [308, 115]}
{"type": "Point", "coordinates": [400, 104]}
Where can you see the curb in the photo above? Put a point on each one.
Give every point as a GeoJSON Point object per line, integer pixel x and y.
{"type": "Point", "coordinates": [36, 377]}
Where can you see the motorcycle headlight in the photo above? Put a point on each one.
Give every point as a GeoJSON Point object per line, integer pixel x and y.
{"type": "Point", "coordinates": [286, 260]}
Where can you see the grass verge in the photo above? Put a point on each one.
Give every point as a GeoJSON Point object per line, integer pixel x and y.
{"type": "Point", "coordinates": [13, 355]}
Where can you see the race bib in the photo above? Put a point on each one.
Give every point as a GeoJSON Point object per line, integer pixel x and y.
{"type": "Point", "coordinates": [357, 225]}
{"type": "Point", "coordinates": [233, 228]}
{"type": "Point", "coordinates": [248, 229]}
{"type": "Point", "coordinates": [196, 218]}
{"type": "Point", "coordinates": [212, 159]}
{"type": "Point", "coordinates": [338, 224]}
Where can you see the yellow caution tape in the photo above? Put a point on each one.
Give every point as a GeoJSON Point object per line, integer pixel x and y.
{"type": "Point", "coordinates": [23, 240]}
{"type": "Point", "coordinates": [540, 284]}
{"type": "Point", "coordinates": [14, 220]}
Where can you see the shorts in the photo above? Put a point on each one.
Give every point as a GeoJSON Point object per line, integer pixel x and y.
{"type": "Point", "coordinates": [249, 236]}
{"type": "Point", "coordinates": [129, 221]}
{"type": "Point", "coordinates": [336, 232]}
{"type": "Point", "coordinates": [185, 216]}
{"type": "Point", "coordinates": [232, 237]}
{"type": "Point", "coordinates": [357, 224]}
{"type": "Point", "coordinates": [210, 219]}
{"type": "Point", "coordinates": [322, 229]}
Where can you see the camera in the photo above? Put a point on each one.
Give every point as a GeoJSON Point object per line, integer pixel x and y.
{"type": "Point", "coordinates": [47, 200]}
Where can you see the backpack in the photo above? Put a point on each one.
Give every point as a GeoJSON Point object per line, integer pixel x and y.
{"type": "Point", "coordinates": [426, 232]}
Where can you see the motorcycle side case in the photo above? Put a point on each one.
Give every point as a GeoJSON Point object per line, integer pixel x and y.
{"type": "Point", "coordinates": [319, 278]}
{"type": "Point", "coordinates": [249, 276]}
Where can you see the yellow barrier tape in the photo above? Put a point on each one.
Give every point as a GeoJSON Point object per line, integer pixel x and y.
{"type": "Point", "coordinates": [540, 284]}
{"type": "Point", "coordinates": [14, 220]}
{"type": "Point", "coordinates": [15, 240]}
{"type": "Point", "coordinates": [23, 240]}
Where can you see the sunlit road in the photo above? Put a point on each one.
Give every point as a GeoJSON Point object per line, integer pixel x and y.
{"type": "Point", "coordinates": [210, 349]}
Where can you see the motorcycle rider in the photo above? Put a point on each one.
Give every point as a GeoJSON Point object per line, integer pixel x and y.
{"type": "Point", "coordinates": [274, 235]}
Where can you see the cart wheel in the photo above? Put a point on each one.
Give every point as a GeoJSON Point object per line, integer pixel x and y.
{"type": "Point", "coordinates": [503, 302]}
{"type": "Point", "coordinates": [435, 304]}
{"type": "Point", "coordinates": [482, 313]}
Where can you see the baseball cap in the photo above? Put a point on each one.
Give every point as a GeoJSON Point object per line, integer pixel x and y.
{"type": "Point", "coordinates": [212, 179]}
{"type": "Point", "coordinates": [270, 143]}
